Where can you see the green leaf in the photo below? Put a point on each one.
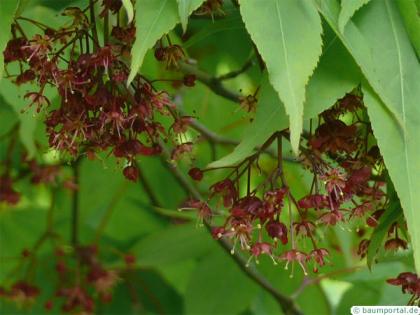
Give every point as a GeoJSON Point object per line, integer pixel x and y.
{"type": "Point", "coordinates": [19, 228]}
{"type": "Point", "coordinates": [185, 8]}
{"type": "Point", "coordinates": [7, 12]}
{"type": "Point", "coordinates": [210, 288]}
{"type": "Point", "coordinates": [22, 6]}
{"type": "Point", "coordinates": [324, 88]}
{"type": "Point", "coordinates": [28, 121]}
{"type": "Point", "coordinates": [147, 293]}
{"type": "Point", "coordinates": [401, 159]}
{"type": "Point", "coordinates": [230, 23]}
{"type": "Point", "coordinates": [390, 65]}
{"type": "Point", "coordinates": [288, 37]}
{"type": "Point", "coordinates": [171, 245]}
{"type": "Point", "coordinates": [128, 6]}
{"type": "Point", "coordinates": [153, 20]}
{"type": "Point", "coordinates": [392, 214]}
{"type": "Point", "coordinates": [348, 8]}
{"type": "Point", "coordinates": [411, 16]}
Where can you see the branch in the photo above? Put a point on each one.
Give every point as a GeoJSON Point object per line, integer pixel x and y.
{"type": "Point", "coordinates": [286, 303]}
{"type": "Point", "coordinates": [213, 83]}
{"type": "Point", "coordinates": [146, 187]}
{"type": "Point", "coordinates": [218, 139]}
{"type": "Point", "coordinates": [234, 74]}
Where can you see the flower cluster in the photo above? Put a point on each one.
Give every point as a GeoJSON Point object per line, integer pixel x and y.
{"type": "Point", "coordinates": [410, 284]}
{"type": "Point", "coordinates": [269, 220]}
{"type": "Point", "coordinates": [96, 110]}
{"type": "Point", "coordinates": [82, 281]}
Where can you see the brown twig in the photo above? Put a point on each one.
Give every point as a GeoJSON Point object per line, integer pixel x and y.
{"type": "Point", "coordinates": [211, 82]}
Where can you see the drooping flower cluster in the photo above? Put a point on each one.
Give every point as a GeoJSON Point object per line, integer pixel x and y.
{"type": "Point", "coordinates": [82, 281]}
{"type": "Point", "coordinates": [96, 110]}
{"type": "Point", "coordinates": [410, 284]}
{"type": "Point", "coordinates": [270, 220]}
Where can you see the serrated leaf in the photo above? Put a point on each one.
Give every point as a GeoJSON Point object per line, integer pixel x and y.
{"type": "Point", "coordinates": [185, 8]}
{"type": "Point", "coordinates": [324, 88]}
{"type": "Point", "coordinates": [7, 12]}
{"type": "Point", "coordinates": [401, 159]}
{"type": "Point", "coordinates": [288, 36]}
{"type": "Point", "coordinates": [392, 69]}
{"type": "Point", "coordinates": [129, 9]}
{"type": "Point", "coordinates": [348, 8]}
{"type": "Point", "coordinates": [153, 20]}
{"type": "Point", "coordinates": [391, 214]}
{"type": "Point", "coordinates": [411, 16]}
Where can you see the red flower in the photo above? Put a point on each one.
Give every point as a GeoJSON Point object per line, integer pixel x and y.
{"type": "Point", "coordinates": [277, 230]}
{"type": "Point", "coordinates": [196, 174]}
{"type": "Point", "coordinates": [131, 173]}
{"type": "Point", "coordinates": [294, 255]}
{"type": "Point", "coordinates": [261, 248]}
{"type": "Point", "coordinates": [315, 201]}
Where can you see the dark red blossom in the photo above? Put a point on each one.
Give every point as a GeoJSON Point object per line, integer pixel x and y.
{"type": "Point", "coordinates": [227, 190]}
{"type": "Point", "coordinates": [304, 228]}
{"type": "Point", "coordinates": [196, 174]}
{"type": "Point", "coordinates": [294, 255]}
{"type": "Point", "coordinates": [331, 217]}
{"type": "Point", "coordinates": [189, 80]}
{"type": "Point", "coordinates": [259, 249]}
{"type": "Point", "coordinates": [277, 231]}
{"type": "Point", "coordinates": [204, 213]}
{"type": "Point", "coordinates": [410, 283]}
{"type": "Point", "coordinates": [7, 193]}
{"type": "Point", "coordinates": [334, 136]}
{"type": "Point", "coordinates": [315, 201]}
{"type": "Point", "coordinates": [395, 243]}
{"type": "Point", "coordinates": [319, 255]}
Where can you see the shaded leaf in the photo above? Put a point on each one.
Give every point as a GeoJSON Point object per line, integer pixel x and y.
{"type": "Point", "coordinates": [13, 95]}
{"type": "Point", "coordinates": [232, 22]}
{"type": "Point", "coordinates": [392, 214]}
{"type": "Point", "coordinates": [7, 12]}
{"type": "Point", "coordinates": [210, 288]}
{"type": "Point", "coordinates": [288, 37]}
{"type": "Point", "coordinates": [174, 244]}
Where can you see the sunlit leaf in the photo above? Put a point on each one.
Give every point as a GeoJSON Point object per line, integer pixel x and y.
{"type": "Point", "coordinates": [411, 16]}
{"type": "Point", "coordinates": [185, 8]}
{"type": "Point", "coordinates": [288, 37]}
{"type": "Point", "coordinates": [128, 6]}
{"type": "Point", "coordinates": [348, 8]}
{"type": "Point", "coordinates": [153, 20]}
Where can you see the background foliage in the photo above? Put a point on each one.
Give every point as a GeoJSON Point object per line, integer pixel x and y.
{"type": "Point", "coordinates": [315, 52]}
